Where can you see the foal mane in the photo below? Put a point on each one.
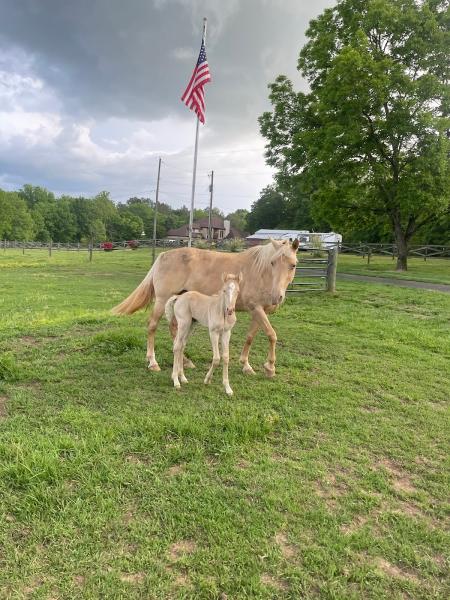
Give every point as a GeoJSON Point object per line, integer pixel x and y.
{"type": "Point", "coordinates": [262, 256]}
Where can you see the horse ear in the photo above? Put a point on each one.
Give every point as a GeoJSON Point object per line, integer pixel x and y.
{"type": "Point", "coordinates": [240, 277]}
{"type": "Point", "coordinates": [275, 243]}
{"type": "Point", "coordinates": [224, 276]}
{"type": "Point", "coordinates": [295, 244]}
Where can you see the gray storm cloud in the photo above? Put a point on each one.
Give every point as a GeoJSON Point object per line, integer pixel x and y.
{"type": "Point", "coordinates": [91, 89]}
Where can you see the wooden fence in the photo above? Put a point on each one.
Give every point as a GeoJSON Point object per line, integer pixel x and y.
{"type": "Point", "coordinates": [368, 250]}
{"type": "Point", "coordinates": [315, 272]}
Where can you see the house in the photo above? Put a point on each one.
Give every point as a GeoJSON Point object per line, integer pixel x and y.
{"type": "Point", "coordinates": [306, 238]}
{"type": "Point", "coordinates": [220, 230]}
{"type": "Point", "coordinates": [236, 234]}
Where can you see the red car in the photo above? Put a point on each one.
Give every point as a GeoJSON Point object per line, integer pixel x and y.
{"type": "Point", "coordinates": [107, 246]}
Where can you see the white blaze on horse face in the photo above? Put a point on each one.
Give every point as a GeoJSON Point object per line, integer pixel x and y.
{"type": "Point", "coordinates": [231, 291]}
{"type": "Point", "coordinates": [283, 272]}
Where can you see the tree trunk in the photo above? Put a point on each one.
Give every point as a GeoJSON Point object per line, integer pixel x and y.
{"type": "Point", "coordinates": [402, 247]}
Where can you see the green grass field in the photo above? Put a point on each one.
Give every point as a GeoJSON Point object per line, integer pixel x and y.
{"type": "Point", "coordinates": [433, 270]}
{"type": "Point", "coordinates": [330, 481]}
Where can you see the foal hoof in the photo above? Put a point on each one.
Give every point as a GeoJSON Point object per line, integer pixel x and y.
{"type": "Point", "coordinates": [248, 370]}
{"type": "Point", "coordinates": [154, 367]}
{"type": "Point", "coordinates": [188, 364]}
{"type": "Point", "coordinates": [229, 392]}
{"type": "Point", "coordinates": [270, 371]}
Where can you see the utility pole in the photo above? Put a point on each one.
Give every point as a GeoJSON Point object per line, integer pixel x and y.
{"type": "Point", "coordinates": [211, 189]}
{"type": "Point", "coordinates": [155, 211]}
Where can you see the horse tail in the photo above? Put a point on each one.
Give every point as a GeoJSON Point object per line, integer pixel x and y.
{"type": "Point", "coordinates": [170, 309]}
{"type": "Point", "coordinates": [140, 298]}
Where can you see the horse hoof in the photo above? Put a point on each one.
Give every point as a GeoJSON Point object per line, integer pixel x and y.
{"type": "Point", "coordinates": [248, 370]}
{"type": "Point", "coordinates": [188, 364]}
{"type": "Point", "coordinates": [183, 380]}
{"type": "Point", "coordinates": [207, 381]}
{"type": "Point", "coordinates": [229, 392]}
{"type": "Point", "coordinates": [154, 367]}
{"type": "Point", "coordinates": [270, 371]}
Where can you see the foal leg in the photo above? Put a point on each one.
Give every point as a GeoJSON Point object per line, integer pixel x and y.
{"type": "Point", "coordinates": [158, 310]}
{"type": "Point", "coordinates": [184, 334]}
{"type": "Point", "coordinates": [253, 330]}
{"type": "Point", "coordinates": [214, 335]}
{"type": "Point", "coordinates": [264, 322]}
{"type": "Point", "coordinates": [177, 351]}
{"type": "Point", "coordinates": [226, 359]}
{"type": "Point", "coordinates": [173, 327]}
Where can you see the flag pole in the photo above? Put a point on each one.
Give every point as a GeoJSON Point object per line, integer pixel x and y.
{"type": "Point", "coordinates": [194, 171]}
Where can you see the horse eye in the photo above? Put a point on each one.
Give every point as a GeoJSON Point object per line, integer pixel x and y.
{"type": "Point", "coordinates": [271, 263]}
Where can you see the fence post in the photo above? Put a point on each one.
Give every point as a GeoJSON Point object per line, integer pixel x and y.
{"type": "Point", "coordinates": [23, 248]}
{"type": "Point", "coordinates": [4, 245]}
{"type": "Point", "coordinates": [331, 270]}
{"type": "Point", "coordinates": [369, 252]}
{"type": "Point", "coordinates": [90, 250]}
{"type": "Point", "coordinates": [50, 248]}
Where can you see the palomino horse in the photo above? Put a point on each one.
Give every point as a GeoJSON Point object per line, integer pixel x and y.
{"type": "Point", "coordinates": [215, 312]}
{"type": "Point", "coordinates": [267, 271]}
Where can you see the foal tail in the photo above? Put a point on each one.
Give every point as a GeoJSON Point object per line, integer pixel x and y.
{"type": "Point", "coordinates": [140, 298]}
{"type": "Point", "coordinates": [169, 308]}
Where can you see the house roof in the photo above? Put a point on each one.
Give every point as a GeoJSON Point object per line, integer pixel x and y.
{"type": "Point", "coordinates": [216, 223]}
{"type": "Point", "coordinates": [182, 231]}
{"type": "Point", "coordinates": [265, 234]}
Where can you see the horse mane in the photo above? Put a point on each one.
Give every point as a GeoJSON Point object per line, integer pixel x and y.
{"type": "Point", "coordinates": [263, 255]}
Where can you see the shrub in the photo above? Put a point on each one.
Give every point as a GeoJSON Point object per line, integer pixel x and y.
{"type": "Point", "coordinates": [233, 245]}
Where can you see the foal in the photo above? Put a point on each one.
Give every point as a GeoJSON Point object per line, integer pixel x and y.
{"type": "Point", "coordinates": [215, 312]}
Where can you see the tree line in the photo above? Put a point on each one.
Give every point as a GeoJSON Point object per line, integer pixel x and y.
{"type": "Point", "coordinates": [35, 213]}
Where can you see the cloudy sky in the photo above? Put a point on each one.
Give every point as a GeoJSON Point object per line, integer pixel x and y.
{"type": "Point", "coordinates": [90, 94]}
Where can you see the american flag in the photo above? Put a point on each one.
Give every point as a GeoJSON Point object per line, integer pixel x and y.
{"type": "Point", "coordinates": [194, 95]}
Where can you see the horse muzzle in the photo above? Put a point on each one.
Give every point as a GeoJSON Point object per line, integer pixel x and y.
{"type": "Point", "coordinates": [229, 312]}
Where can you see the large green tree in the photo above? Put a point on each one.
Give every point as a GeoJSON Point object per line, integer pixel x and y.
{"type": "Point", "coordinates": [238, 219]}
{"type": "Point", "coordinates": [369, 140]}
{"type": "Point", "coordinates": [15, 220]}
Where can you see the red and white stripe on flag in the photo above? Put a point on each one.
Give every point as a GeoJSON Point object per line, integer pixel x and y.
{"type": "Point", "coordinates": [194, 95]}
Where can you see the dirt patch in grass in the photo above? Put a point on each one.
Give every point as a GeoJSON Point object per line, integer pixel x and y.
{"type": "Point", "coordinates": [287, 550]}
{"type": "Point", "coordinates": [395, 571]}
{"type": "Point", "coordinates": [243, 464]}
{"type": "Point", "coordinates": [137, 459]}
{"type": "Point", "coordinates": [79, 580]}
{"type": "Point", "coordinates": [181, 548]}
{"type": "Point", "coordinates": [31, 385]}
{"type": "Point", "coordinates": [175, 470]}
{"type": "Point", "coordinates": [330, 489]}
{"type": "Point", "coordinates": [370, 409]}
{"type": "Point", "coordinates": [129, 516]}
{"type": "Point", "coordinates": [182, 580]}
{"type": "Point", "coordinates": [32, 587]}
{"type": "Point", "coordinates": [274, 582]}
{"type": "Point", "coordinates": [400, 480]}
{"type": "Point", "coordinates": [3, 412]}
{"type": "Point", "coordinates": [132, 577]}
{"type": "Point", "coordinates": [356, 524]}
{"type": "Point", "coordinates": [408, 508]}
{"type": "Point", "coordinates": [30, 340]}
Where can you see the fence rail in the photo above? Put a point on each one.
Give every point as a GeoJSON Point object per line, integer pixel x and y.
{"type": "Point", "coordinates": [363, 249]}
{"type": "Point", "coordinates": [315, 272]}
{"type": "Point", "coordinates": [424, 250]}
